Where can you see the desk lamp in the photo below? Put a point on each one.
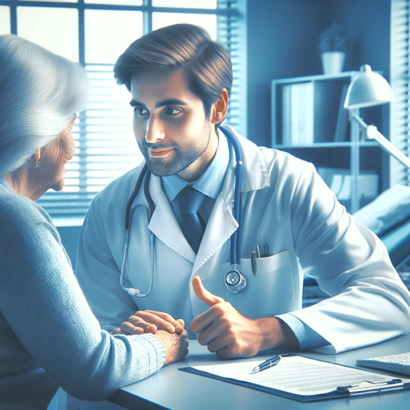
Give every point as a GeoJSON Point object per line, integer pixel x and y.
{"type": "Point", "coordinates": [366, 90]}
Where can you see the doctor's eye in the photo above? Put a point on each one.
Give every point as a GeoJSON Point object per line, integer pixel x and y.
{"type": "Point", "coordinates": [172, 111]}
{"type": "Point", "coordinates": [140, 111]}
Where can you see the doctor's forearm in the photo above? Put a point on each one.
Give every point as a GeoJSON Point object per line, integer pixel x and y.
{"type": "Point", "coordinates": [276, 334]}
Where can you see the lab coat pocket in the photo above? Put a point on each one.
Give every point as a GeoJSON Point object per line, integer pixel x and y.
{"type": "Point", "coordinates": [269, 291]}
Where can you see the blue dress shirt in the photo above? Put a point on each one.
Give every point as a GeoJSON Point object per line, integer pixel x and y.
{"type": "Point", "coordinates": [210, 184]}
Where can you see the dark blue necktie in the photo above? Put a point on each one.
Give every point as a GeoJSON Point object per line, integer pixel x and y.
{"type": "Point", "coordinates": [192, 225]}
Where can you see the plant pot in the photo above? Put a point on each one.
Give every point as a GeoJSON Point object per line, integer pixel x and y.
{"type": "Point", "coordinates": [332, 62]}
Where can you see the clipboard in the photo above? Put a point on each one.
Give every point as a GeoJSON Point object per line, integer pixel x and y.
{"type": "Point", "coordinates": [345, 391]}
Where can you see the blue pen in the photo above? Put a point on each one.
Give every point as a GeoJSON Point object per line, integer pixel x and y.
{"type": "Point", "coordinates": [267, 364]}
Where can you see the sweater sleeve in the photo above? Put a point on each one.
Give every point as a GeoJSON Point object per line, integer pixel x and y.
{"type": "Point", "coordinates": [43, 304]}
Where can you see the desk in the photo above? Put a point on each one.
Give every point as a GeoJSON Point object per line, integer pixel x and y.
{"type": "Point", "coordinates": [173, 389]}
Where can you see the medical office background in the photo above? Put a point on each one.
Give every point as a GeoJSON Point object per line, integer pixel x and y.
{"type": "Point", "coordinates": [268, 40]}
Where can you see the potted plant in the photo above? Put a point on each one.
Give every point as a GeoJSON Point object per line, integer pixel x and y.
{"type": "Point", "coordinates": [332, 46]}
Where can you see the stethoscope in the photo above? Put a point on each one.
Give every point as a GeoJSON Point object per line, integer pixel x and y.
{"type": "Point", "coordinates": [235, 281]}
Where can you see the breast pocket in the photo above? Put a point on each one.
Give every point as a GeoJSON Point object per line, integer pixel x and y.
{"type": "Point", "coordinates": [269, 291]}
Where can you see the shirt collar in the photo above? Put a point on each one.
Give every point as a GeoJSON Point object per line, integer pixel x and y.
{"type": "Point", "coordinates": [211, 181]}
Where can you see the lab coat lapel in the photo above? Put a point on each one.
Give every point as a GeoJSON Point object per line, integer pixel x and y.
{"type": "Point", "coordinates": [164, 224]}
{"type": "Point", "coordinates": [222, 224]}
{"type": "Point", "coordinates": [220, 227]}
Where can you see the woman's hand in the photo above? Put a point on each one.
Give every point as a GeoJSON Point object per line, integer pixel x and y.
{"type": "Point", "coordinates": [176, 345]}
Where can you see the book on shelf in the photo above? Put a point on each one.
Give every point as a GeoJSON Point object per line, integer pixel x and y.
{"type": "Point", "coordinates": [297, 114]}
{"type": "Point", "coordinates": [342, 117]}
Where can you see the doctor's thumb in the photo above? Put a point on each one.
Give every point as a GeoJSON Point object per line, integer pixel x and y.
{"type": "Point", "coordinates": [204, 294]}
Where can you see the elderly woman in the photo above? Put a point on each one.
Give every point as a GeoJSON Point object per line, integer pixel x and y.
{"type": "Point", "coordinates": [48, 334]}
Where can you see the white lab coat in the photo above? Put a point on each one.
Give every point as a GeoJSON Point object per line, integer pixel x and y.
{"type": "Point", "coordinates": [288, 207]}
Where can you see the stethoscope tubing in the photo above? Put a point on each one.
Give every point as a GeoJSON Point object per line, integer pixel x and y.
{"type": "Point", "coordinates": [132, 291]}
{"type": "Point", "coordinates": [147, 174]}
{"type": "Point", "coordinates": [235, 249]}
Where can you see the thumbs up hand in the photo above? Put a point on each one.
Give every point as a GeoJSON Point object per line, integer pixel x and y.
{"type": "Point", "coordinates": [231, 335]}
{"type": "Point", "coordinates": [204, 294]}
{"type": "Point", "coordinates": [223, 329]}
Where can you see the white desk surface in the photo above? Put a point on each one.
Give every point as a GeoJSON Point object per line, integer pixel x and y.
{"type": "Point", "coordinates": [173, 389]}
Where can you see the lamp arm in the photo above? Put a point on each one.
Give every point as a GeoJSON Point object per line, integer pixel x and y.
{"type": "Point", "coordinates": [373, 133]}
{"type": "Point", "coordinates": [357, 118]}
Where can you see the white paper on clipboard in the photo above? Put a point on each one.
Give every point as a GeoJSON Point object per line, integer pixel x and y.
{"type": "Point", "coordinates": [296, 375]}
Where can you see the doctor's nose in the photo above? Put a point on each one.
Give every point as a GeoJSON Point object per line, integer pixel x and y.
{"type": "Point", "coordinates": [154, 131]}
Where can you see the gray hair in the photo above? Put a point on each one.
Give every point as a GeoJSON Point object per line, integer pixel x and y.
{"type": "Point", "coordinates": [40, 92]}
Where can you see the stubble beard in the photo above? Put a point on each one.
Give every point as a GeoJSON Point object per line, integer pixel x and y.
{"type": "Point", "coordinates": [183, 156]}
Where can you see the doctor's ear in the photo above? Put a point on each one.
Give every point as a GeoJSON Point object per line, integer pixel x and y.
{"type": "Point", "coordinates": [219, 108]}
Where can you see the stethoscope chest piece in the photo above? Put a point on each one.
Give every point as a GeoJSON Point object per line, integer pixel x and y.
{"type": "Point", "coordinates": [235, 281]}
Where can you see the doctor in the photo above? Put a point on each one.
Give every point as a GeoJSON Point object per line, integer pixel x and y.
{"type": "Point", "coordinates": [181, 266]}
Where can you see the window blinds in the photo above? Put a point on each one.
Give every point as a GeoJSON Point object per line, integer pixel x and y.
{"type": "Point", "coordinates": [399, 80]}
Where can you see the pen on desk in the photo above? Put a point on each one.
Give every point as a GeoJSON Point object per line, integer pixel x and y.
{"type": "Point", "coordinates": [253, 261]}
{"type": "Point", "coordinates": [267, 364]}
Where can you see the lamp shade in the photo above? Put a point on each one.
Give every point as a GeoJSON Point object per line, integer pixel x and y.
{"type": "Point", "coordinates": [368, 89]}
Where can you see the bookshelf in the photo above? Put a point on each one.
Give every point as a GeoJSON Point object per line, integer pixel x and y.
{"type": "Point", "coordinates": [309, 121]}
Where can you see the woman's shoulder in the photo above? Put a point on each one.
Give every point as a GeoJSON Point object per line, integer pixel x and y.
{"type": "Point", "coordinates": [19, 214]}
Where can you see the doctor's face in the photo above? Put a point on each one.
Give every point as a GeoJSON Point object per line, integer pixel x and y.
{"type": "Point", "coordinates": [170, 124]}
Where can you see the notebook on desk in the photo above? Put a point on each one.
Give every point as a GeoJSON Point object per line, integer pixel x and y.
{"type": "Point", "coordinates": [398, 363]}
{"type": "Point", "coordinates": [303, 379]}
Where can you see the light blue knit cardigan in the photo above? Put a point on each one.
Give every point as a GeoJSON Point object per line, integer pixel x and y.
{"type": "Point", "coordinates": [48, 334]}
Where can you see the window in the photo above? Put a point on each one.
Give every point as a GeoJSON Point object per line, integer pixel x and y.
{"type": "Point", "coordinates": [95, 33]}
{"type": "Point", "coordinates": [399, 81]}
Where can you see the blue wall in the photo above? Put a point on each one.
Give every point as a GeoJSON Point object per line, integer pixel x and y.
{"type": "Point", "coordinates": [368, 23]}
{"type": "Point", "coordinates": [282, 42]}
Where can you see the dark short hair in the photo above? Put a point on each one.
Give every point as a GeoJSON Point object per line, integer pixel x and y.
{"type": "Point", "coordinates": [205, 63]}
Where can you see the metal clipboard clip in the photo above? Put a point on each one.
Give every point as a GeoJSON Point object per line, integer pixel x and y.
{"type": "Point", "coordinates": [366, 387]}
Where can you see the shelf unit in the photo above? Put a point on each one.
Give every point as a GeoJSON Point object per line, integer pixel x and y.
{"type": "Point", "coordinates": [349, 152]}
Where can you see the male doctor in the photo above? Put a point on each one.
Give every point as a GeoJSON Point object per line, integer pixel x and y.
{"type": "Point", "coordinates": [180, 82]}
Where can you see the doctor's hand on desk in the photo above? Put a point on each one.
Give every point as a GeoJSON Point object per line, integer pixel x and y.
{"type": "Point", "coordinates": [231, 335]}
